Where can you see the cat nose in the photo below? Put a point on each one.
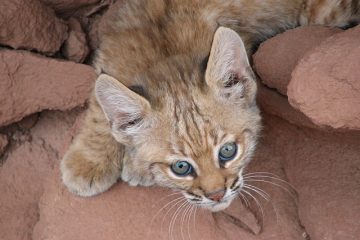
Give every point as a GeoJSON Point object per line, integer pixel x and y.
{"type": "Point", "coordinates": [216, 195]}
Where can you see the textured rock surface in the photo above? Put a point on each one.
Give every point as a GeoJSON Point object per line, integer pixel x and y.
{"type": "Point", "coordinates": [36, 26]}
{"type": "Point", "coordinates": [277, 104]}
{"type": "Point", "coordinates": [33, 83]}
{"type": "Point", "coordinates": [75, 47]}
{"type": "Point", "coordinates": [324, 169]}
{"type": "Point", "coordinates": [3, 143]}
{"type": "Point", "coordinates": [321, 197]}
{"type": "Point", "coordinates": [77, 8]}
{"type": "Point", "coordinates": [113, 212]}
{"type": "Point", "coordinates": [66, 5]}
{"type": "Point", "coordinates": [325, 85]}
{"type": "Point", "coordinates": [285, 50]}
{"type": "Point", "coordinates": [26, 167]}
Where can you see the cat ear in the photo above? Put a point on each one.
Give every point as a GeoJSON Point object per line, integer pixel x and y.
{"type": "Point", "coordinates": [123, 108]}
{"type": "Point", "coordinates": [228, 70]}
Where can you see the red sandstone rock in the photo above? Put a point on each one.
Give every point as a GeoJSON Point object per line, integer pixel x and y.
{"type": "Point", "coordinates": [78, 8]}
{"type": "Point", "coordinates": [276, 104]}
{"type": "Point", "coordinates": [75, 47]}
{"type": "Point", "coordinates": [130, 213]}
{"type": "Point", "coordinates": [66, 5]}
{"type": "Point", "coordinates": [324, 169]}
{"type": "Point", "coordinates": [24, 171]}
{"type": "Point", "coordinates": [93, 31]}
{"type": "Point", "coordinates": [325, 84]}
{"type": "Point", "coordinates": [27, 24]}
{"type": "Point", "coordinates": [3, 143]}
{"type": "Point", "coordinates": [28, 122]}
{"type": "Point", "coordinates": [32, 83]}
{"type": "Point", "coordinates": [277, 57]}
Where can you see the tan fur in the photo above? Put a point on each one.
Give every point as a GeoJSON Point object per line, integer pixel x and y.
{"type": "Point", "coordinates": [172, 94]}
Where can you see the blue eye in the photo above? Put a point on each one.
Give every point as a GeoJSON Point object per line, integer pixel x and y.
{"type": "Point", "coordinates": [228, 151]}
{"type": "Point", "coordinates": [181, 168]}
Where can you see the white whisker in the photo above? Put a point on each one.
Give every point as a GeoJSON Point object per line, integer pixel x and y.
{"type": "Point", "coordinates": [174, 217]}
{"type": "Point", "coordinates": [259, 191]}
{"type": "Point", "coordinates": [245, 199]}
{"type": "Point", "coordinates": [163, 207]}
{"type": "Point", "coordinates": [275, 184]}
{"type": "Point", "coordinates": [174, 205]}
{"type": "Point", "coordinates": [258, 204]}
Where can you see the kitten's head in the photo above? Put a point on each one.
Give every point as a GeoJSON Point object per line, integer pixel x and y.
{"type": "Point", "coordinates": [192, 127]}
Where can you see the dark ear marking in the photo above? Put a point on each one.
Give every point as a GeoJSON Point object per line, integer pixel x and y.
{"type": "Point", "coordinates": [130, 124]}
{"type": "Point", "coordinates": [232, 81]}
{"type": "Point", "coordinates": [139, 90]}
{"type": "Point", "coordinates": [203, 64]}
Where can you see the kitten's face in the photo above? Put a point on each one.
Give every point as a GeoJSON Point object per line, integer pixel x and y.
{"type": "Point", "coordinates": [198, 131]}
{"type": "Point", "coordinates": [203, 155]}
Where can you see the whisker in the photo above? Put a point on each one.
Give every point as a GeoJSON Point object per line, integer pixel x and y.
{"type": "Point", "coordinates": [167, 196]}
{"type": "Point", "coordinates": [245, 199]}
{"type": "Point", "coordinates": [174, 205]}
{"type": "Point", "coordinates": [182, 219]}
{"type": "Point", "coordinates": [174, 217]}
{"type": "Point", "coordinates": [163, 207]}
{"type": "Point", "coordinates": [194, 218]}
{"type": "Point", "coordinates": [275, 184]}
{"type": "Point", "coordinates": [259, 191]}
{"type": "Point", "coordinates": [193, 207]}
{"type": "Point", "coordinates": [274, 177]}
{"type": "Point", "coordinates": [258, 204]}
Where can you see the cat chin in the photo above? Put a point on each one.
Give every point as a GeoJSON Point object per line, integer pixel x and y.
{"type": "Point", "coordinates": [217, 207]}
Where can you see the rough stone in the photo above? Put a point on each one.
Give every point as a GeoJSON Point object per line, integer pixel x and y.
{"type": "Point", "coordinates": [327, 89]}
{"type": "Point", "coordinates": [25, 169]}
{"type": "Point", "coordinates": [283, 150]}
{"type": "Point", "coordinates": [324, 169]}
{"type": "Point", "coordinates": [75, 47]}
{"type": "Point", "coordinates": [277, 57]}
{"type": "Point", "coordinates": [66, 5]}
{"type": "Point", "coordinates": [28, 122]}
{"type": "Point", "coordinates": [3, 143]}
{"type": "Point", "coordinates": [36, 26]}
{"type": "Point", "coordinates": [33, 83]}
{"type": "Point", "coordinates": [77, 8]}
{"type": "Point", "coordinates": [277, 104]}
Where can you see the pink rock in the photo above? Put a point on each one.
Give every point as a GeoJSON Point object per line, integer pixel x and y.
{"type": "Point", "coordinates": [81, 9]}
{"type": "Point", "coordinates": [24, 171]}
{"type": "Point", "coordinates": [322, 196]}
{"type": "Point", "coordinates": [277, 57]}
{"type": "Point", "coordinates": [276, 104]}
{"type": "Point", "coordinates": [325, 84]}
{"type": "Point", "coordinates": [75, 47]}
{"type": "Point", "coordinates": [3, 143]}
{"type": "Point", "coordinates": [33, 83]}
{"type": "Point", "coordinates": [66, 5]}
{"type": "Point", "coordinates": [28, 122]}
{"type": "Point", "coordinates": [27, 24]}
{"type": "Point", "coordinates": [135, 213]}
{"type": "Point", "coordinates": [323, 168]}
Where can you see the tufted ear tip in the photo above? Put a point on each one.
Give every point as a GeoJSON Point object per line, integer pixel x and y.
{"type": "Point", "coordinates": [228, 70]}
{"type": "Point", "coordinates": [121, 106]}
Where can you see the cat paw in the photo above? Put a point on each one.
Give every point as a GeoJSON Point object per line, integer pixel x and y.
{"type": "Point", "coordinates": [137, 179]}
{"type": "Point", "coordinates": [92, 182]}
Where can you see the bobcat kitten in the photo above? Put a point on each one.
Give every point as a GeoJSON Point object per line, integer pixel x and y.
{"type": "Point", "coordinates": [175, 103]}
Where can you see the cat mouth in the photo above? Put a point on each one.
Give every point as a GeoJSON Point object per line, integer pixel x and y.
{"type": "Point", "coordinates": [219, 206]}
{"type": "Point", "coordinates": [216, 206]}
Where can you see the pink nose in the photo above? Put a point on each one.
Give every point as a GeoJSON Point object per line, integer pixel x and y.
{"type": "Point", "coordinates": [216, 195]}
